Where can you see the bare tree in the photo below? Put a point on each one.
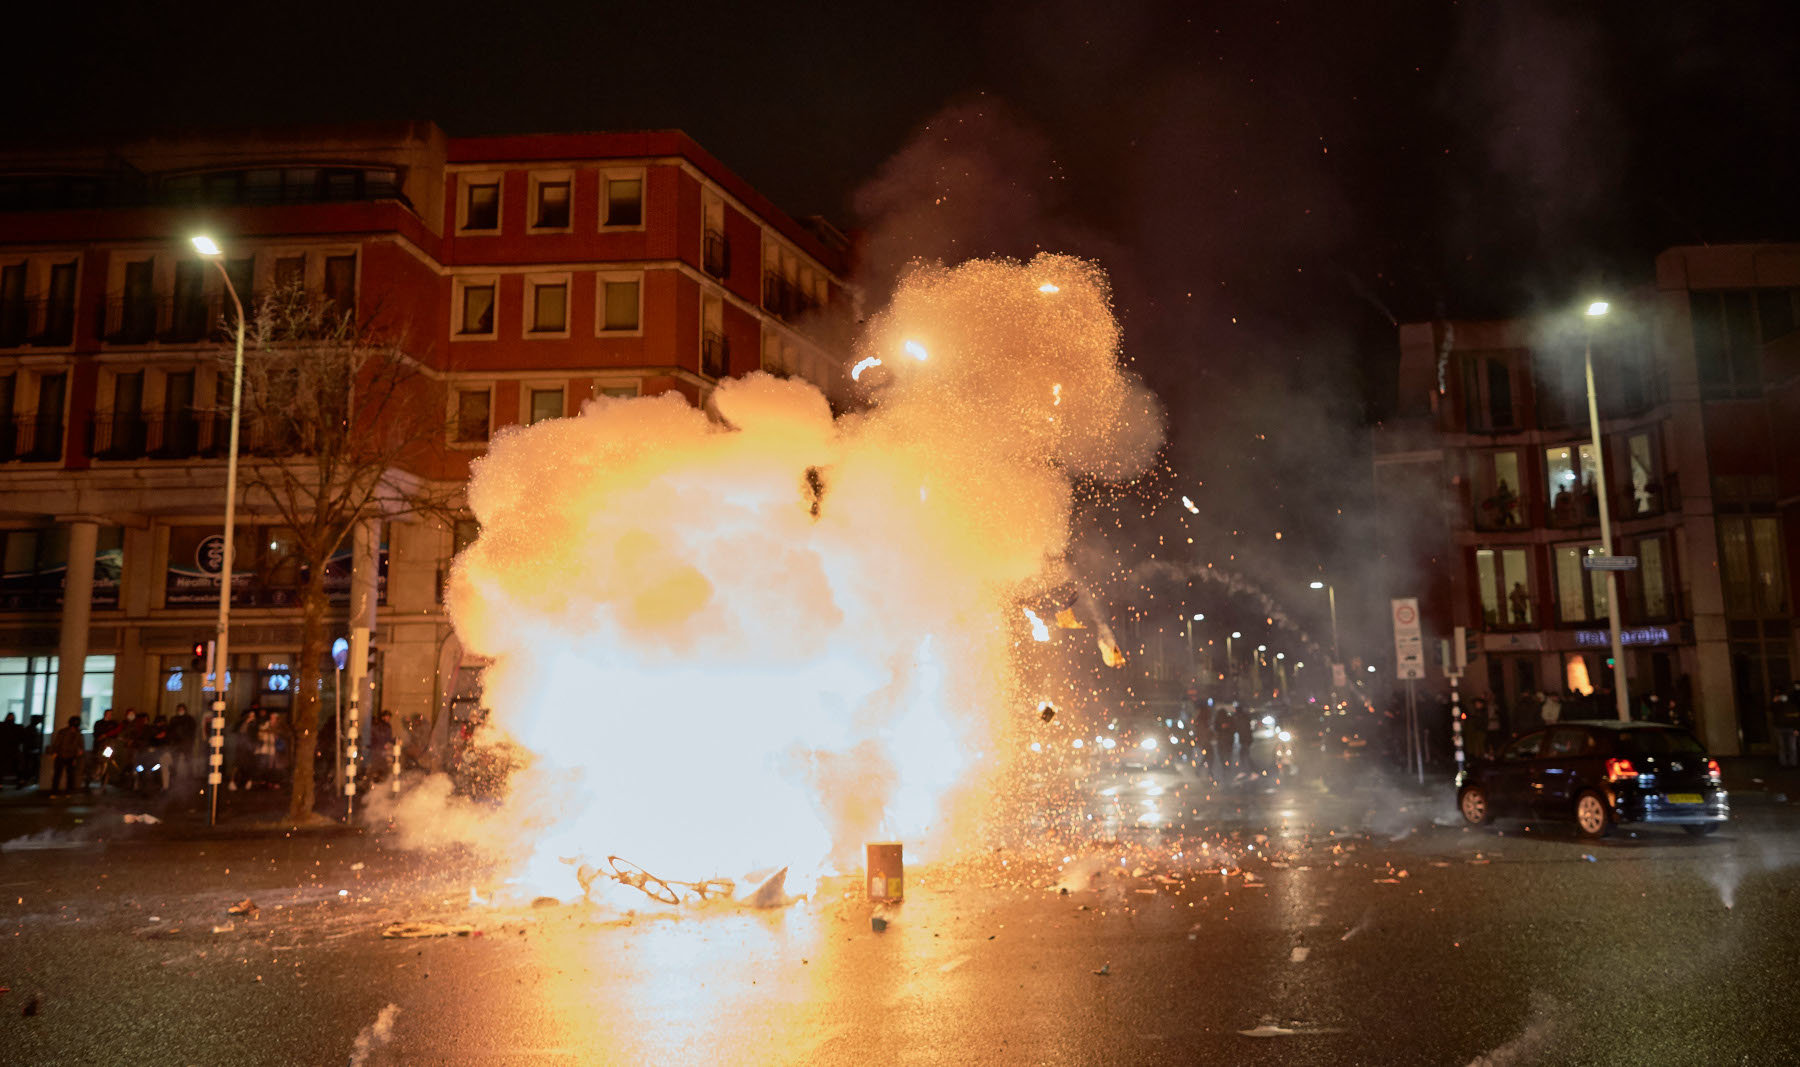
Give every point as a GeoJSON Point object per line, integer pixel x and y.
{"type": "Point", "coordinates": [338, 426]}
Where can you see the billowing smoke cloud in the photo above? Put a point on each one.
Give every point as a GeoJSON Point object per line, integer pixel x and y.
{"type": "Point", "coordinates": [762, 636]}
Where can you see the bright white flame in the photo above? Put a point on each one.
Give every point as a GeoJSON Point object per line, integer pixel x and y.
{"type": "Point", "coordinates": [762, 573]}
{"type": "Point", "coordinates": [1316, 585]}
{"type": "Point", "coordinates": [1148, 744]}
{"type": "Point", "coordinates": [915, 350]}
{"type": "Point", "coordinates": [1189, 504]}
{"type": "Point", "coordinates": [1049, 287]}
{"type": "Point", "coordinates": [1056, 395]}
{"type": "Point", "coordinates": [863, 364]}
{"type": "Point", "coordinates": [1040, 631]}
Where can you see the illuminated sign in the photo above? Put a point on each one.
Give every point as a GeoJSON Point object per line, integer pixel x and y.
{"type": "Point", "coordinates": [1640, 635]}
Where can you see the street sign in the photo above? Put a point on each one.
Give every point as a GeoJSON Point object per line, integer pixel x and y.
{"type": "Point", "coordinates": [1409, 642]}
{"type": "Point", "coordinates": [1609, 563]}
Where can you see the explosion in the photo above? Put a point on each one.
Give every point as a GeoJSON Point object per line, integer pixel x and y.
{"type": "Point", "coordinates": [761, 636]}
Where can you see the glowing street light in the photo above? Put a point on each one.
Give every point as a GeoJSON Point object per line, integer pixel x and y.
{"type": "Point", "coordinates": [210, 249]}
{"type": "Point", "coordinates": [1315, 585]}
{"type": "Point", "coordinates": [1623, 699]}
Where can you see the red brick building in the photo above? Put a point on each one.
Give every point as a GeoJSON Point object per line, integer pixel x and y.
{"type": "Point", "coordinates": [526, 274]}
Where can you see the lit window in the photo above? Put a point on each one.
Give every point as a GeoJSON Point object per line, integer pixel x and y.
{"type": "Point", "coordinates": [1570, 476]}
{"type": "Point", "coordinates": [477, 309]}
{"type": "Point", "coordinates": [1505, 581]}
{"type": "Point", "coordinates": [482, 208]}
{"type": "Point", "coordinates": [549, 307]}
{"type": "Point", "coordinates": [546, 404]}
{"type": "Point", "coordinates": [552, 206]}
{"type": "Point", "coordinates": [624, 201]}
{"type": "Point", "coordinates": [621, 305]}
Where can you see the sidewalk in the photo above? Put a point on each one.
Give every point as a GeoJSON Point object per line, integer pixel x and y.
{"type": "Point", "coordinates": [179, 812]}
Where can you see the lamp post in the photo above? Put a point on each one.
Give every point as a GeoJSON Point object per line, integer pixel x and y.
{"type": "Point", "coordinates": [1620, 685]}
{"type": "Point", "coordinates": [1331, 598]}
{"type": "Point", "coordinates": [209, 249]}
{"type": "Point", "coordinates": [1190, 620]}
{"type": "Point", "coordinates": [1230, 667]}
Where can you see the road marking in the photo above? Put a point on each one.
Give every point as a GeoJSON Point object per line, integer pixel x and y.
{"type": "Point", "coordinates": [1300, 954]}
{"type": "Point", "coordinates": [953, 964]}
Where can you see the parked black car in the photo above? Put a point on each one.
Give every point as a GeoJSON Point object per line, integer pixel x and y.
{"type": "Point", "coordinates": [1600, 774]}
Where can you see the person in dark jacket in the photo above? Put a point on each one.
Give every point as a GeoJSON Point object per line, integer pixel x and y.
{"type": "Point", "coordinates": [1245, 722]}
{"type": "Point", "coordinates": [12, 748]}
{"type": "Point", "coordinates": [31, 765]}
{"type": "Point", "coordinates": [67, 751]}
{"type": "Point", "coordinates": [182, 729]}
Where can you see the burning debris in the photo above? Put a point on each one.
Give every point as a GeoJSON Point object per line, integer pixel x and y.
{"type": "Point", "coordinates": [757, 636]}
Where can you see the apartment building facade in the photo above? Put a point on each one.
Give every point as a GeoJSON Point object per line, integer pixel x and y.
{"type": "Point", "coordinates": [524, 275]}
{"type": "Point", "coordinates": [1489, 475]}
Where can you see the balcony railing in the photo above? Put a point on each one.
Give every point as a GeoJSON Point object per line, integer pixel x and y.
{"type": "Point", "coordinates": [30, 440]}
{"type": "Point", "coordinates": [715, 254]}
{"type": "Point", "coordinates": [784, 298]}
{"type": "Point", "coordinates": [715, 354]}
{"type": "Point", "coordinates": [41, 321]}
{"type": "Point", "coordinates": [127, 321]}
{"type": "Point", "coordinates": [113, 436]}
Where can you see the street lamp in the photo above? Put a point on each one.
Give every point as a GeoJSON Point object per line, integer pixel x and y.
{"type": "Point", "coordinates": [209, 248]}
{"type": "Point", "coordinates": [1621, 696]}
{"type": "Point", "coordinates": [1331, 598]}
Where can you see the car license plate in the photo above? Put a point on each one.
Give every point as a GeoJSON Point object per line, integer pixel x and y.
{"type": "Point", "coordinates": [1686, 798]}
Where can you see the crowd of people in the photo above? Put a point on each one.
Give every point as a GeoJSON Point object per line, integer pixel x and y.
{"type": "Point", "coordinates": [152, 753]}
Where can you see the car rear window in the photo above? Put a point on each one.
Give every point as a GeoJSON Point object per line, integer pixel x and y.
{"type": "Point", "coordinates": [1659, 743]}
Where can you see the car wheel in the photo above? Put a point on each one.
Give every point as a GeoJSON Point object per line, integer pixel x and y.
{"type": "Point", "coordinates": [1702, 829]}
{"type": "Point", "coordinates": [1474, 805]}
{"type": "Point", "coordinates": [1590, 815]}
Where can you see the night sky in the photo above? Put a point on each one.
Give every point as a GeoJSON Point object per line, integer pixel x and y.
{"type": "Point", "coordinates": [1269, 183]}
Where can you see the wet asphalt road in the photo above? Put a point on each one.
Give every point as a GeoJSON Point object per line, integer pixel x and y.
{"type": "Point", "coordinates": [1365, 928]}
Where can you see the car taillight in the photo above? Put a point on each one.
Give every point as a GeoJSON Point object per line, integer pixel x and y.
{"type": "Point", "coordinates": [1619, 769]}
{"type": "Point", "coordinates": [1713, 772]}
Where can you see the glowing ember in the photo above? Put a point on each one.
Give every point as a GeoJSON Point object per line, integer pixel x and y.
{"type": "Point", "coordinates": [724, 644]}
{"type": "Point", "coordinates": [1039, 630]}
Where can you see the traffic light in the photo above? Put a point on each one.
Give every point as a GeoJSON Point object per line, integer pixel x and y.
{"type": "Point", "coordinates": [199, 663]}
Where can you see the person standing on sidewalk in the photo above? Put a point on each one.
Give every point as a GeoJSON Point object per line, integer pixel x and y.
{"type": "Point", "coordinates": [1785, 712]}
{"type": "Point", "coordinates": [180, 763]}
{"type": "Point", "coordinates": [69, 754]}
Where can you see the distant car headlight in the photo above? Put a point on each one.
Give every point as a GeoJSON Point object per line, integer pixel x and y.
{"type": "Point", "coordinates": [1284, 735]}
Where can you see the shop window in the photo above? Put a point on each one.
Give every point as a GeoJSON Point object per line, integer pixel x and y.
{"type": "Point", "coordinates": [1498, 505]}
{"type": "Point", "coordinates": [1569, 475]}
{"type": "Point", "coordinates": [1580, 593]}
{"type": "Point", "coordinates": [1505, 578]}
{"type": "Point", "coordinates": [1751, 565]}
{"type": "Point", "coordinates": [1651, 582]}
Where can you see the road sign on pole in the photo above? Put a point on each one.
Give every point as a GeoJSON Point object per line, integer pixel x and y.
{"type": "Point", "coordinates": [1409, 641]}
{"type": "Point", "coordinates": [1609, 563]}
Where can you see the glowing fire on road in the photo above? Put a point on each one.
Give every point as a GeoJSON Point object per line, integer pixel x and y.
{"type": "Point", "coordinates": [749, 638]}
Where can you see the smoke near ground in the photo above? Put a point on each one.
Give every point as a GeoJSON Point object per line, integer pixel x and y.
{"type": "Point", "coordinates": [760, 636]}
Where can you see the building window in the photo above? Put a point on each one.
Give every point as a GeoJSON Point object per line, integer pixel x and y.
{"type": "Point", "coordinates": [624, 201]}
{"type": "Point", "coordinates": [137, 310]}
{"type": "Point", "coordinates": [549, 307]}
{"type": "Point", "coordinates": [1580, 593]}
{"type": "Point", "coordinates": [715, 347]}
{"type": "Point", "coordinates": [715, 250]}
{"type": "Point", "coordinates": [550, 208]}
{"type": "Point", "coordinates": [14, 311]}
{"type": "Point", "coordinates": [189, 316]}
{"type": "Point", "coordinates": [545, 404]}
{"type": "Point", "coordinates": [472, 406]}
{"type": "Point", "coordinates": [1726, 351]}
{"type": "Point", "coordinates": [340, 283]}
{"type": "Point", "coordinates": [1488, 389]}
{"type": "Point", "coordinates": [1650, 583]}
{"type": "Point", "coordinates": [290, 273]}
{"type": "Point", "coordinates": [619, 304]}
{"type": "Point", "coordinates": [1569, 476]}
{"type": "Point", "coordinates": [59, 306]}
{"type": "Point", "coordinates": [1505, 578]}
{"type": "Point", "coordinates": [1643, 491]}
{"type": "Point", "coordinates": [481, 205]}
{"type": "Point", "coordinates": [477, 318]}
{"type": "Point", "coordinates": [1751, 566]}
{"type": "Point", "coordinates": [1498, 504]}
{"type": "Point", "coordinates": [621, 392]}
